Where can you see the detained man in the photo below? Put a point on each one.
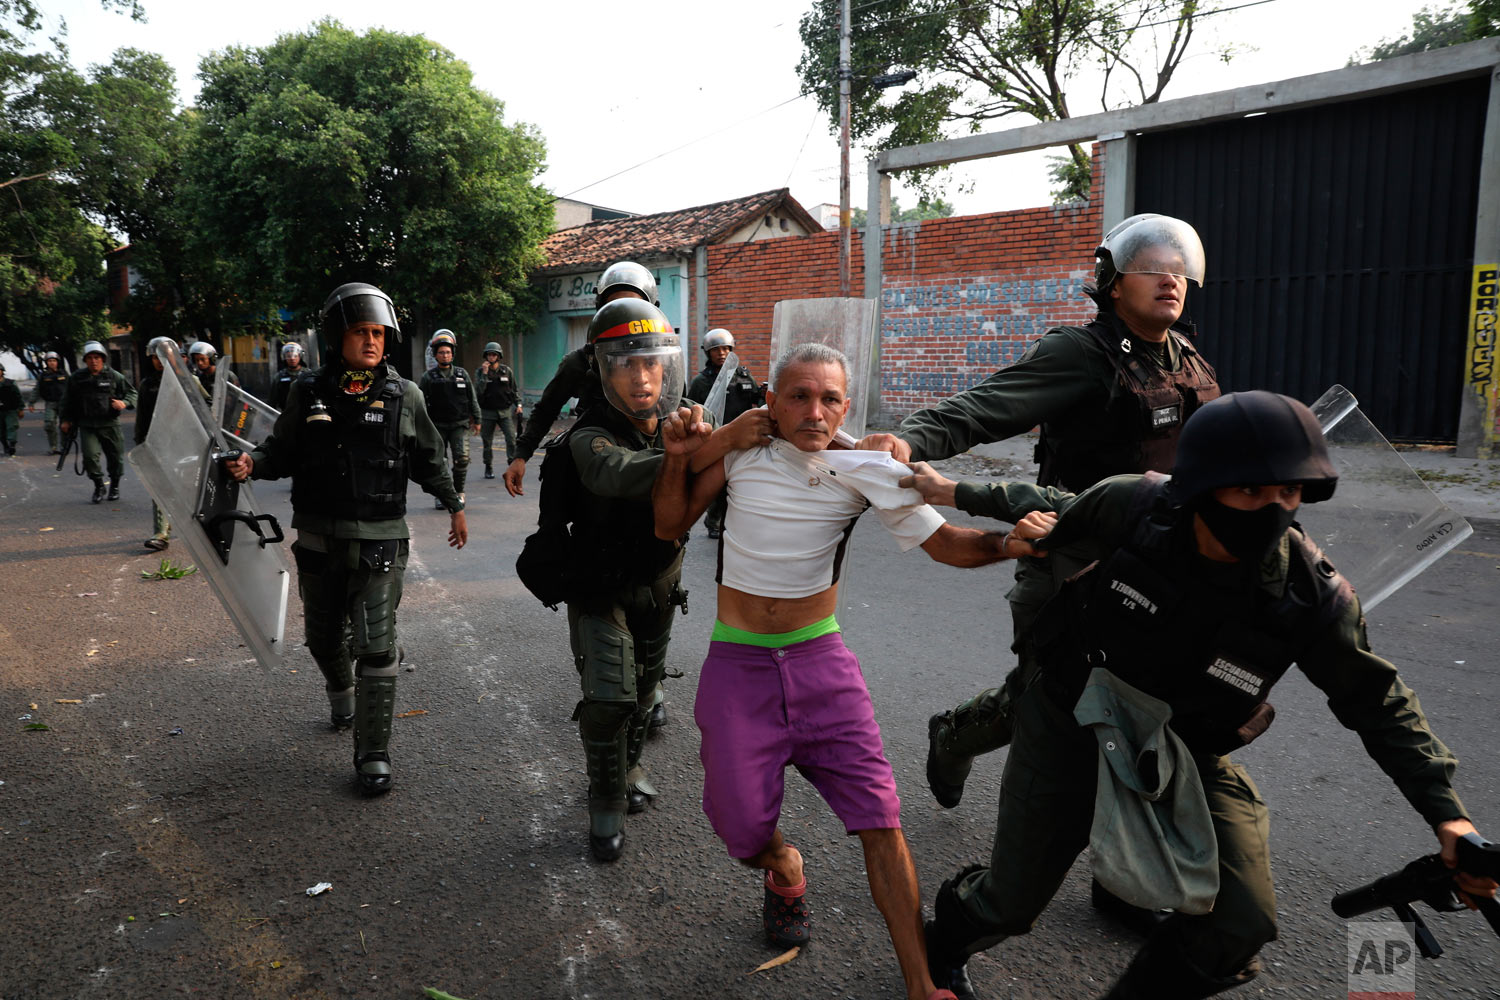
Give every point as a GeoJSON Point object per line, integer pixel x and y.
{"type": "Point", "coordinates": [779, 687]}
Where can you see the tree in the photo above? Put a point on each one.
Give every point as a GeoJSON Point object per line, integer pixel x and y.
{"type": "Point", "coordinates": [53, 165]}
{"type": "Point", "coordinates": [933, 208]}
{"type": "Point", "coordinates": [1438, 27]}
{"type": "Point", "coordinates": [984, 60]}
{"type": "Point", "coordinates": [332, 156]}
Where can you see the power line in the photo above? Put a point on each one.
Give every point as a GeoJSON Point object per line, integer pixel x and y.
{"type": "Point", "coordinates": [690, 142]}
{"type": "Point", "coordinates": [1206, 13]}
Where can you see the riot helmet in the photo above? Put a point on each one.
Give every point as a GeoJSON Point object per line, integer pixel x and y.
{"type": "Point", "coordinates": [443, 338]}
{"type": "Point", "coordinates": [94, 347]}
{"type": "Point", "coordinates": [639, 358]}
{"type": "Point", "coordinates": [291, 350]}
{"type": "Point", "coordinates": [1254, 438]}
{"type": "Point", "coordinates": [152, 345]}
{"type": "Point", "coordinates": [626, 274]}
{"type": "Point", "coordinates": [1146, 244]}
{"type": "Point", "coordinates": [493, 348]}
{"type": "Point", "coordinates": [717, 337]}
{"type": "Point", "coordinates": [204, 348]}
{"type": "Point", "coordinates": [354, 303]}
{"type": "Point", "coordinates": [52, 356]}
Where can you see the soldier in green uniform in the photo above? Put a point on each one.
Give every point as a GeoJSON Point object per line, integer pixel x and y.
{"type": "Point", "coordinates": [12, 408]}
{"type": "Point", "coordinates": [204, 358]}
{"type": "Point", "coordinates": [1204, 595]}
{"type": "Point", "coordinates": [145, 409]}
{"type": "Point", "coordinates": [290, 371]}
{"type": "Point", "coordinates": [452, 404]}
{"type": "Point", "coordinates": [575, 376]}
{"type": "Point", "coordinates": [744, 393]}
{"type": "Point", "coordinates": [619, 629]}
{"type": "Point", "coordinates": [50, 385]}
{"type": "Point", "coordinates": [1111, 398]}
{"type": "Point", "coordinates": [499, 405]}
{"type": "Point", "coordinates": [352, 433]}
{"type": "Point", "coordinates": [95, 396]}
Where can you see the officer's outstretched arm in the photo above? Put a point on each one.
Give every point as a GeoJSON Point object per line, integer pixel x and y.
{"type": "Point", "coordinates": [679, 497]}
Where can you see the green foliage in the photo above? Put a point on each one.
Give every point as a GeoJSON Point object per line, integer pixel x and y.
{"type": "Point", "coordinates": [983, 61]}
{"type": "Point", "coordinates": [168, 570]}
{"type": "Point", "coordinates": [70, 148]}
{"type": "Point", "coordinates": [333, 156]}
{"type": "Point", "coordinates": [1438, 27]}
{"type": "Point", "coordinates": [926, 208]}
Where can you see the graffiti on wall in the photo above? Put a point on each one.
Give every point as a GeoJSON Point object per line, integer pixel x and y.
{"type": "Point", "coordinates": [1484, 308]}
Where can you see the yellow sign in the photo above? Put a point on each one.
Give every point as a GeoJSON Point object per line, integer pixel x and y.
{"type": "Point", "coordinates": [1479, 362]}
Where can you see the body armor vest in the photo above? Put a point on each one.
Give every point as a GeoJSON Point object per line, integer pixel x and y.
{"type": "Point", "coordinates": [94, 394]}
{"type": "Point", "coordinates": [50, 385]}
{"type": "Point", "coordinates": [498, 390]}
{"type": "Point", "coordinates": [1144, 614]}
{"type": "Point", "coordinates": [1137, 432]}
{"type": "Point", "coordinates": [618, 533]}
{"type": "Point", "coordinates": [350, 461]}
{"type": "Point", "coordinates": [448, 395]}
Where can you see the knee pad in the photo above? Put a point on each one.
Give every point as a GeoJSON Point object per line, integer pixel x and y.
{"type": "Point", "coordinates": [608, 662]}
{"type": "Point", "coordinates": [651, 654]}
{"type": "Point", "coordinates": [374, 620]}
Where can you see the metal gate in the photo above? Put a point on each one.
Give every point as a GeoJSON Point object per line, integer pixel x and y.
{"type": "Point", "coordinates": [1340, 245]}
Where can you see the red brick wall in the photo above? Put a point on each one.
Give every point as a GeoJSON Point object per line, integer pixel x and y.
{"type": "Point", "coordinates": [960, 297]}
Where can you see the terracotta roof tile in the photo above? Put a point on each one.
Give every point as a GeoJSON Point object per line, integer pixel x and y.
{"type": "Point", "coordinates": [598, 244]}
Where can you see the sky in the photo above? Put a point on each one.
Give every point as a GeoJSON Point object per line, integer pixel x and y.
{"type": "Point", "coordinates": [611, 85]}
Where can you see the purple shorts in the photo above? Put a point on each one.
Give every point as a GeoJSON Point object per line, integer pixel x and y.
{"type": "Point", "coordinates": [806, 705]}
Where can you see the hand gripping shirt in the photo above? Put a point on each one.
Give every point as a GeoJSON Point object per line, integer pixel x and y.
{"type": "Point", "coordinates": [791, 513]}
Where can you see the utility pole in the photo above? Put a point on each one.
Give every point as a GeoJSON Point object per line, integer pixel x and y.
{"type": "Point", "coordinates": [846, 238]}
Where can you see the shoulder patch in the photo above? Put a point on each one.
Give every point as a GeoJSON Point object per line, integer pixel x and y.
{"type": "Point", "coordinates": [599, 444]}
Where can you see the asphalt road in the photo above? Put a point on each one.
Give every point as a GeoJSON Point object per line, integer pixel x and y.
{"type": "Point", "coordinates": [158, 837]}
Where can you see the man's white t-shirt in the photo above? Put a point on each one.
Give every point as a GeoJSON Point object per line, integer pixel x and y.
{"type": "Point", "coordinates": [791, 513]}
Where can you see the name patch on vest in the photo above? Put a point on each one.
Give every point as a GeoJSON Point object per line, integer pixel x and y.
{"type": "Point", "coordinates": [374, 416]}
{"type": "Point", "coordinates": [1236, 676]}
{"type": "Point", "coordinates": [1166, 416]}
{"type": "Point", "coordinates": [1133, 598]}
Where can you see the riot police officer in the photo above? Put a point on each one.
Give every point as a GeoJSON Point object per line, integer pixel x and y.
{"type": "Point", "coordinates": [204, 359]}
{"type": "Point", "coordinates": [452, 403]}
{"type": "Point", "coordinates": [51, 382]}
{"type": "Point", "coordinates": [94, 398]}
{"type": "Point", "coordinates": [145, 409]}
{"type": "Point", "coordinates": [1204, 594]}
{"type": "Point", "coordinates": [1111, 397]}
{"type": "Point", "coordinates": [619, 625]}
{"type": "Point", "coordinates": [12, 408]}
{"type": "Point", "coordinates": [291, 369]}
{"type": "Point", "coordinates": [499, 404]}
{"type": "Point", "coordinates": [352, 433]}
{"type": "Point", "coordinates": [744, 393]}
{"type": "Point", "coordinates": [575, 375]}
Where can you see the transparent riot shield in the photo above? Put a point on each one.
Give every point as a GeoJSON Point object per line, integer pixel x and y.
{"type": "Point", "coordinates": [719, 394]}
{"type": "Point", "coordinates": [1383, 524]}
{"type": "Point", "coordinates": [845, 324]}
{"type": "Point", "coordinates": [244, 419]}
{"type": "Point", "coordinates": [217, 519]}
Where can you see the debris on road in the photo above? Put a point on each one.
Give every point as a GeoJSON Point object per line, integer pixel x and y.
{"type": "Point", "coordinates": [781, 959]}
{"type": "Point", "coordinates": [415, 711]}
{"type": "Point", "coordinates": [319, 889]}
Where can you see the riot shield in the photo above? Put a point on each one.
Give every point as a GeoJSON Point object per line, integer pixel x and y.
{"type": "Point", "coordinates": [845, 324]}
{"type": "Point", "coordinates": [245, 420]}
{"type": "Point", "coordinates": [719, 394]}
{"type": "Point", "coordinates": [1383, 524]}
{"type": "Point", "coordinates": [230, 541]}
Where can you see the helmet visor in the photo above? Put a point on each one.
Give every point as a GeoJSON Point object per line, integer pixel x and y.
{"type": "Point", "coordinates": [642, 376]}
{"type": "Point", "coordinates": [356, 309]}
{"type": "Point", "coordinates": [1159, 245]}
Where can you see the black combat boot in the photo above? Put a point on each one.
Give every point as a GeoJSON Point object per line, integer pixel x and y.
{"type": "Point", "coordinates": [952, 937]}
{"type": "Point", "coordinates": [374, 705]}
{"type": "Point", "coordinates": [1161, 971]}
{"type": "Point", "coordinates": [945, 774]}
{"type": "Point", "coordinates": [1137, 918]}
{"type": "Point", "coordinates": [114, 489]}
{"type": "Point", "coordinates": [99, 491]}
{"type": "Point", "coordinates": [489, 472]}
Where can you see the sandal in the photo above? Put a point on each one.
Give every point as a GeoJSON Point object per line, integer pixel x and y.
{"type": "Point", "coordinates": [785, 915]}
{"type": "Point", "coordinates": [943, 995]}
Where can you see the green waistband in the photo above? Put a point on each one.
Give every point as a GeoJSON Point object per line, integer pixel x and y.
{"type": "Point", "coordinates": [727, 633]}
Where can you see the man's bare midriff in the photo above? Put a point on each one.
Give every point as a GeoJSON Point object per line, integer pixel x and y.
{"type": "Point", "coordinates": [774, 615]}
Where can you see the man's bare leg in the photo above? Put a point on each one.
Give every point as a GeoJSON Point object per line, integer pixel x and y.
{"type": "Point", "coordinates": [893, 884]}
{"type": "Point", "coordinates": [785, 865]}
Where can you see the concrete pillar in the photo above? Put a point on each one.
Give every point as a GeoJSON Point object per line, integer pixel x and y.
{"type": "Point", "coordinates": [1119, 177]}
{"type": "Point", "coordinates": [1477, 404]}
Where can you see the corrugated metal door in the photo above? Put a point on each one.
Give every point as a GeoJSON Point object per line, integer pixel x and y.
{"type": "Point", "coordinates": [1339, 243]}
